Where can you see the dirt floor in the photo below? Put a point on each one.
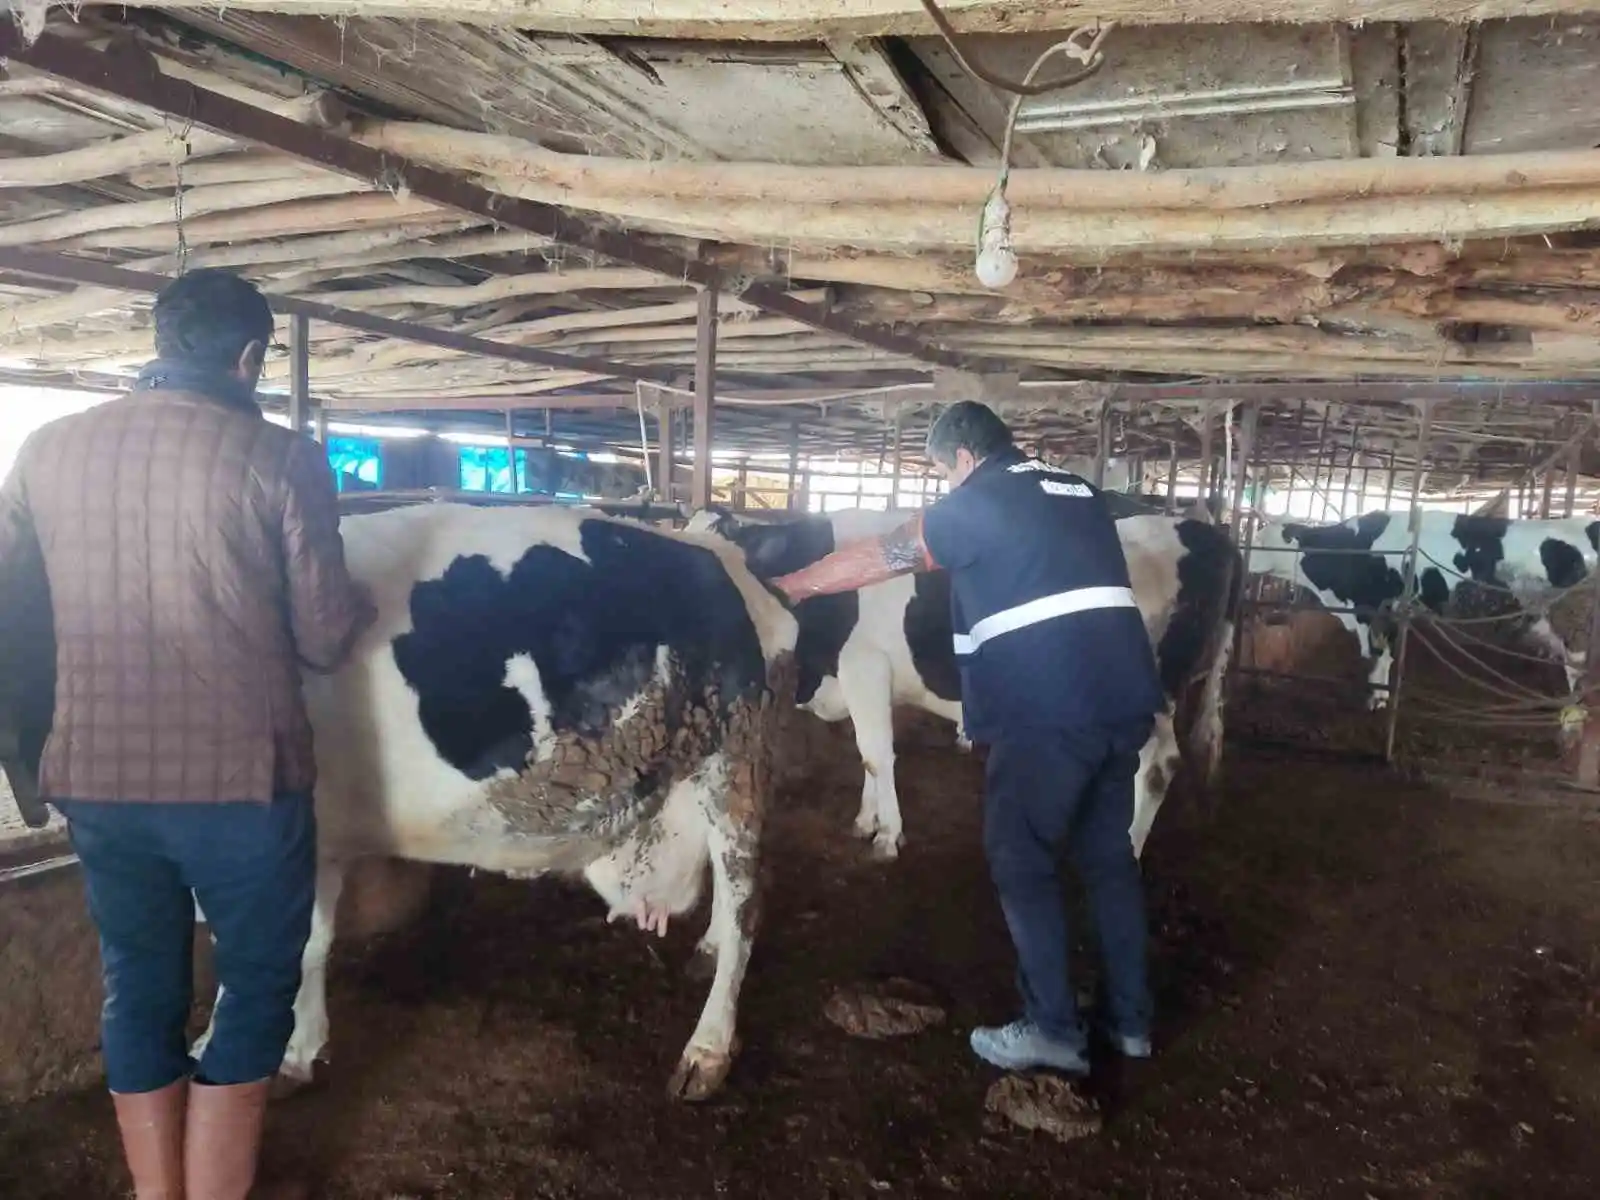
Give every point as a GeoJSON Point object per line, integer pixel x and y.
{"type": "Point", "coordinates": [1367, 989]}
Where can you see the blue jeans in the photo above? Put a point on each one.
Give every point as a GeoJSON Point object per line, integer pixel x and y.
{"type": "Point", "coordinates": [253, 869]}
{"type": "Point", "coordinates": [1049, 789]}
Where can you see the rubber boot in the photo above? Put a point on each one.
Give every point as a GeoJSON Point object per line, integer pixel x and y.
{"type": "Point", "coordinates": [152, 1126]}
{"type": "Point", "coordinates": [224, 1141]}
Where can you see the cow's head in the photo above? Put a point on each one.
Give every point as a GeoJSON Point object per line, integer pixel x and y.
{"type": "Point", "coordinates": [1284, 533]}
{"type": "Point", "coordinates": [711, 519]}
{"type": "Point", "coordinates": [1273, 547]}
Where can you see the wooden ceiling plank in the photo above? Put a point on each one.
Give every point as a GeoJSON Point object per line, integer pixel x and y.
{"type": "Point", "coordinates": [805, 20]}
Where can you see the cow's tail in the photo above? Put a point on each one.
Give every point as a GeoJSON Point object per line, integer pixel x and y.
{"type": "Point", "coordinates": [1204, 748]}
{"type": "Point", "coordinates": [1205, 734]}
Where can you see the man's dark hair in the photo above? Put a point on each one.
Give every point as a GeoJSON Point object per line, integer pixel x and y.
{"type": "Point", "coordinates": [970, 426]}
{"type": "Point", "coordinates": [208, 317]}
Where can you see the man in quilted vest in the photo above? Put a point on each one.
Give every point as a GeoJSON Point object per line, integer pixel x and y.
{"type": "Point", "coordinates": [194, 568]}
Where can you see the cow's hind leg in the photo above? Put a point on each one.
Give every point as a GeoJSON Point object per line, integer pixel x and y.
{"type": "Point", "coordinates": [1158, 762]}
{"type": "Point", "coordinates": [311, 1003]}
{"type": "Point", "coordinates": [950, 710]}
{"type": "Point", "coordinates": [734, 833]}
{"type": "Point", "coordinates": [204, 1040]}
{"type": "Point", "coordinates": [868, 688]}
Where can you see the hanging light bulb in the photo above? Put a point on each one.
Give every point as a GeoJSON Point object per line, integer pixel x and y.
{"type": "Point", "coordinates": [996, 265]}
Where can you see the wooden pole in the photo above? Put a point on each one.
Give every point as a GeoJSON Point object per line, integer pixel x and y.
{"type": "Point", "coordinates": [1247, 436]}
{"type": "Point", "coordinates": [299, 371]}
{"type": "Point", "coordinates": [1397, 665]}
{"type": "Point", "coordinates": [1172, 478]}
{"type": "Point", "coordinates": [1572, 478]}
{"type": "Point", "coordinates": [705, 367]}
{"type": "Point", "coordinates": [319, 425]}
{"type": "Point", "coordinates": [895, 462]}
{"type": "Point", "coordinates": [1388, 487]}
{"type": "Point", "coordinates": [1589, 746]}
{"type": "Point", "coordinates": [1295, 457]}
{"type": "Point", "coordinates": [1544, 495]}
{"type": "Point", "coordinates": [1318, 489]}
{"type": "Point", "coordinates": [794, 465]}
{"type": "Point", "coordinates": [1205, 458]}
{"type": "Point", "coordinates": [1349, 473]}
{"type": "Point", "coordinates": [664, 452]}
{"type": "Point", "coordinates": [1102, 444]}
{"type": "Point", "coordinates": [511, 451]}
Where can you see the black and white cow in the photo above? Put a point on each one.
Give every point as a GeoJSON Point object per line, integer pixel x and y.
{"type": "Point", "coordinates": [27, 683]}
{"type": "Point", "coordinates": [862, 653]}
{"type": "Point", "coordinates": [1359, 563]}
{"type": "Point", "coordinates": [554, 691]}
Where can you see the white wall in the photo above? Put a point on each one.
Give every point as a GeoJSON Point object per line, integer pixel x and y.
{"type": "Point", "coordinates": [22, 410]}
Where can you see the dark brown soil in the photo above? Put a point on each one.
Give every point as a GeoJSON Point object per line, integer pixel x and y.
{"type": "Point", "coordinates": [49, 984]}
{"type": "Point", "coordinates": [1367, 989]}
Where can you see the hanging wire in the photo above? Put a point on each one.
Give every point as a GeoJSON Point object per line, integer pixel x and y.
{"type": "Point", "coordinates": [185, 149]}
{"type": "Point", "coordinates": [1092, 54]}
{"type": "Point", "coordinates": [996, 262]}
{"type": "Point", "coordinates": [1091, 60]}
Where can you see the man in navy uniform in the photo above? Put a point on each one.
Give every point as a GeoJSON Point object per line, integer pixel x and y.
{"type": "Point", "coordinates": [1059, 678]}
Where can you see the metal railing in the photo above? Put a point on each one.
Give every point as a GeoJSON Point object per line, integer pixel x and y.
{"type": "Point", "coordinates": [1401, 615]}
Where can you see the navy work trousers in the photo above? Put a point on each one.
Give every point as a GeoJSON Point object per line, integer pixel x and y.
{"type": "Point", "coordinates": [1072, 789]}
{"type": "Point", "coordinates": [253, 869]}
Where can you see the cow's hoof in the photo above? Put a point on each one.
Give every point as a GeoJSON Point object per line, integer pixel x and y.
{"type": "Point", "coordinates": [866, 827]}
{"type": "Point", "coordinates": [886, 847]}
{"type": "Point", "coordinates": [700, 1075]}
{"type": "Point", "coordinates": [284, 1086]}
{"type": "Point", "coordinates": [298, 1070]}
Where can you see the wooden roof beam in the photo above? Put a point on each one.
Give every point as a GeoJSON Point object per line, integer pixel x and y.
{"type": "Point", "coordinates": [102, 275]}
{"type": "Point", "coordinates": [1085, 393]}
{"type": "Point", "coordinates": [131, 73]}
{"type": "Point", "coordinates": [812, 20]}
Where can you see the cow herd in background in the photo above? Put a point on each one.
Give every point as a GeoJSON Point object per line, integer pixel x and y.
{"type": "Point", "coordinates": [1358, 564]}
{"type": "Point", "coordinates": [550, 690]}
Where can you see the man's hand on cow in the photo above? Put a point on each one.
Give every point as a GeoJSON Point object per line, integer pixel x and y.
{"type": "Point", "coordinates": [860, 564]}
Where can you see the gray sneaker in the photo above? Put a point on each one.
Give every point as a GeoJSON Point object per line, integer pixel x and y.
{"type": "Point", "coordinates": [1020, 1046]}
{"type": "Point", "coordinates": [1131, 1047]}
